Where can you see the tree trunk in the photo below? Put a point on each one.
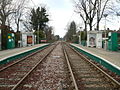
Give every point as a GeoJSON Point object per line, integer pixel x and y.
{"type": "Point", "coordinates": [85, 24]}
{"type": "Point", "coordinates": [86, 27]}
{"type": "Point", "coordinates": [18, 27]}
{"type": "Point", "coordinates": [90, 25]}
{"type": "Point", "coordinates": [4, 32]}
{"type": "Point", "coordinates": [97, 28]}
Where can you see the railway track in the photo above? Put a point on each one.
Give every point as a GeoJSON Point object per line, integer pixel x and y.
{"type": "Point", "coordinates": [11, 75]}
{"type": "Point", "coordinates": [49, 74]}
{"type": "Point", "coordinates": [58, 67]}
{"type": "Point", "coordinates": [86, 75]}
{"type": "Point", "coordinates": [10, 63]}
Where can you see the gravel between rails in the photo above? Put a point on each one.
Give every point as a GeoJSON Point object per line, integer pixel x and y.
{"type": "Point", "coordinates": [51, 74]}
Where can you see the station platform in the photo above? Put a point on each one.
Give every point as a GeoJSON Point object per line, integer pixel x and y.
{"type": "Point", "coordinates": [12, 52]}
{"type": "Point", "coordinates": [109, 56]}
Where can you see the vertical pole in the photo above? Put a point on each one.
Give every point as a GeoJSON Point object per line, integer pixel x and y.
{"type": "Point", "coordinates": [38, 36]}
{"type": "Point", "coordinates": [105, 45]}
{"type": "Point", "coordinates": [105, 27]}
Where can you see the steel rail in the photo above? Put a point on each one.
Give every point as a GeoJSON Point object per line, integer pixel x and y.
{"type": "Point", "coordinates": [70, 69]}
{"type": "Point", "coordinates": [17, 85]}
{"type": "Point", "coordinates": [117, 84]}
{"type": "Point", "coordinates": [20, 60]}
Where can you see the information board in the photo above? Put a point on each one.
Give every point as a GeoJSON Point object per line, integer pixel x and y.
{"type": "Point", "coordinates": [92, 38]}
{"type": "Point", "coordinates": [29, 39]}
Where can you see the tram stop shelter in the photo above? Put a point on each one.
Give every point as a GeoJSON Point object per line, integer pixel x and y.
{"type": "Point", "coordinates": [27, 39]}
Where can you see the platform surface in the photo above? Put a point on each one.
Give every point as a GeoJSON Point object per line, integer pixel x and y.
{"type": "Point", "coordinates": [112, 57]}
{"type": "Point", "coordinates": [11, 52]}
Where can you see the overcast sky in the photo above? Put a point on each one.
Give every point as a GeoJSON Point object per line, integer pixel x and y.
{"type": "Point", "coordinates": [62, 13]}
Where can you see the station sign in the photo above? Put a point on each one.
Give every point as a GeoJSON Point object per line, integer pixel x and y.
{"type": "Point", "coordinates": [29, 40]}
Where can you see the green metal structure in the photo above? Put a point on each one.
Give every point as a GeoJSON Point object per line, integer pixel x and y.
{"type": "Point", "coordinates": [118, 40]}
{"type": "Point", "coordinates": [10, 41]}
{"type": "Point", "coordinates": [113, 41]}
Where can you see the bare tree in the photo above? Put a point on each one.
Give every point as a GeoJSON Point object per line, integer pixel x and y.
{"type": "Point", "coordinates": [5, 10]}
{"type": "Point", "coordinates": [101, 6]}
{"type": "Point", "coordinates": [87, 11]}
{"type": "Point", "coordinates": [82, 15]}
{"type": "Point", "coordinates": [91, 9]}
{"type": "Point", "coordinates": [20, 8]}
{"type": "Point", "coordinates": [27, 20]}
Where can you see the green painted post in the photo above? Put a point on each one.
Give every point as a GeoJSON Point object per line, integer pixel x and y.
{"type": "Point", "coordinates": [118, 40]}
{"type": "Point", "coordinates": [113, 41]}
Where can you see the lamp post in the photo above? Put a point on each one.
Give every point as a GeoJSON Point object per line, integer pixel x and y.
{"type": "Point", "coordinates": [105, 45]}
{"type": "Point", "coordinates": [38, 37]}
{"type": "Point", "coordinates": [118, 14]}
{"type": "Point", "coordinates": [74, 35]}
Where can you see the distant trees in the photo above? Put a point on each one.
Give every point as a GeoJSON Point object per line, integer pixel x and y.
{"type": "Point", "coordinates": [39, 18]}
{"type": "Point", "coordinates": [49, 33]}
{"type": "Point", "coordinates": [71, 33]}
